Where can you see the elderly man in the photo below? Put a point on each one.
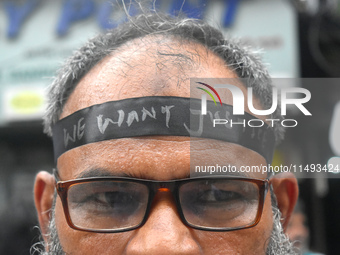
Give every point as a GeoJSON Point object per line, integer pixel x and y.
{"type": "Point", "coordinates": [119, 116]}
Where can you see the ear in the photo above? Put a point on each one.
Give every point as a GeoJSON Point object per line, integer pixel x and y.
{"type": "Point", "coordinates": [287, 191]}
{"type": "Point", "coordinates": [43, 197]}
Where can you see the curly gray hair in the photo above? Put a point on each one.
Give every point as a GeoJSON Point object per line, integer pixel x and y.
{"type": "Point", "coordinates": [244, 63]}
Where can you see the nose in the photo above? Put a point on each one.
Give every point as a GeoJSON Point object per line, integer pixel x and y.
{"type": "Point", "coordinates": [163, 233]}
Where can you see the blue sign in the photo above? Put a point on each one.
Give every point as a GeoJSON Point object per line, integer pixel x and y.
{"type": "Point", "coordinates": [76, 10]}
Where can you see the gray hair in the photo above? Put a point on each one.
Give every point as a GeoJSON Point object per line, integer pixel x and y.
{"type": "Point", "coordinates": [240, 60]}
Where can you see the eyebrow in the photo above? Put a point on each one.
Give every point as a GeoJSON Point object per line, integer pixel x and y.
{"type": "Point", "coordinates": [236, 174]}
{"type": "Point", "coordinates": [240, 174]}
{"type": "Point", "coordinates": [101, 172]}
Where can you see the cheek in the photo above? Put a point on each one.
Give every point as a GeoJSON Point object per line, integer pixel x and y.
{"type": "Point", "coordinates": [248, 241]}
{"type": "Point", "coordinates": [80, 242]}
{"type": "Point", "coordinates": [245, 242]}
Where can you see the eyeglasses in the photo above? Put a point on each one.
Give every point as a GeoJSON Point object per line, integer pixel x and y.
{"type": "Point", "coordinates": [118, 204]}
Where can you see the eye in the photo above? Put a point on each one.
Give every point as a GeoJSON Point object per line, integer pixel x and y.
{"type": "Point", "coordinates": [113, 198]}
{"type": "Point", "coordinates": [217, 195]}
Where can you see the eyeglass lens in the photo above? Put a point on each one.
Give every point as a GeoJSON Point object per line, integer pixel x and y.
{"type": "Point", "coordinates": [114, 205]}
{"type": "Point", "coordinates": [107, 204]}
{"type": "Point", "coordinates": [219, 203]}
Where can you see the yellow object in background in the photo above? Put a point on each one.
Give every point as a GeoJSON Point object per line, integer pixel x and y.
{"type": "Point", "coordinates": [27, 102]}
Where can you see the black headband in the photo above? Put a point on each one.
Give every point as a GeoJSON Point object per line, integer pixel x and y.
{"type": "Point", "coordinates": [170, 116]}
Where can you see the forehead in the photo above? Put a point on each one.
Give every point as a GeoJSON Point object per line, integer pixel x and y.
{"type": "Point", "coordinates": [151, 66]}
{"type": "Point", "coordinates": [147, 66]}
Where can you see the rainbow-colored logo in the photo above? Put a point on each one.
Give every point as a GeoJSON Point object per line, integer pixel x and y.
{"type": "Point", "coordinates": [209, 93]}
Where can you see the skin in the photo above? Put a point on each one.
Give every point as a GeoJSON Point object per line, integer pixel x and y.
{"type": "Point", "coordinates": [137, 70]}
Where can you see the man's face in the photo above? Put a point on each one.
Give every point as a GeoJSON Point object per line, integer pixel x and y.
{"type": "Point", "coordinates": [145, 68]}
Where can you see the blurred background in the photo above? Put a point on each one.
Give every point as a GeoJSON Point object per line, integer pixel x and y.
{"type": "Point", "coordinates": [298, 39]}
